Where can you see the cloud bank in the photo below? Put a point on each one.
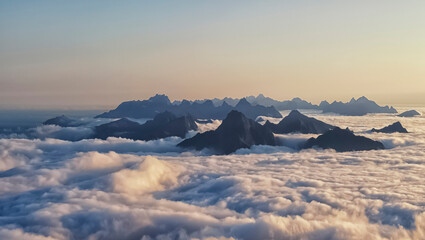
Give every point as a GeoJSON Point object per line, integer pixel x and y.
{"type": "Point", "coordinates": [124, 189]}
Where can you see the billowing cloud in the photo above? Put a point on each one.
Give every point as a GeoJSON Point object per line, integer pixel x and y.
{"type": "Point", "coordinates": [151, 175]}
{"type": "Point", "coordinates": [64, 133]}
{"type": "Point", "coordinates": [111, 189]}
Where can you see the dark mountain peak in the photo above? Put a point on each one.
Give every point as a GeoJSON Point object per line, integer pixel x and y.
{"type": "Point", "coordinates": [253, 111]}
{"type": "Point", "coordinates": [165, 124]}
{"type": "Point", "coordinates": [234, 115]}
{"type": "Point", "coordinates": [395, 127]}
{"type": "Point", "coordinates": [363, 99]}
{"type": "Point", "coordinates": [342, 141]}
{"type": "Point", "coordinates": [236, 131]}
{"type": "Point", "coordinates": [160, 98]}
{"type": "Point", "coordinates": [208, 103]}
{"type": "Point", "coordinates": [242, 103]}
{"type": "Point", "coordinates": [339, 132]}
{"type": "Point", "coordinates": [410, 113]}
{"type": "Point", "coordinates": [396, 124]}
{"type": "Point", "coordinates": [225, 104]}
{"type": "Point", "coordinates": [62, 121]}
{"type": "Point", "coordinates": [234, 119]}
{"type": "Point", "coordinates": [323, 104]}
{"type": "Point", "coordinates": [359, 107]}
{"type": "Point", "coordinates": [261, 96]}
{"type": "Point", "coordinates": [298, 122]}
{"type": "Point", "coordinates": [123, 122]}
{"type": "Point", "coordinates": [296, 113]}
{"type": "Point", "coordinates": [185, 102]}
{"type": "Point", "coordinates": [164, 117]}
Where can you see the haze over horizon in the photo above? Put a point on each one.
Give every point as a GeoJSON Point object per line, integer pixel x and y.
{"type": "Point", "coordinates": [83, 54]}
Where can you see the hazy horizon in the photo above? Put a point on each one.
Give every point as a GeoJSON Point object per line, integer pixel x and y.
{"type": "Point", "coordinates": [83, 54]}
{"type": "Point", "coordinates": [113, 105]}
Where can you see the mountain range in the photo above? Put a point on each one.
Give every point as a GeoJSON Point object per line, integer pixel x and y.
{"type": "Point", "coordinates": [355, 107]}
{"type": "Point", "coordinates": [343, 140]}
{"type": "Point", "coordinates": [163, 125]}
{"type": "Point", "coordinates": [205, 110]}
{"type": "Point", "coordinates": [298, 122]}
{"type": "Point", "coordinates": [251, 106]}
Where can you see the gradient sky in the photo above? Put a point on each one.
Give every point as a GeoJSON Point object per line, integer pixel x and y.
{"type": "Point", "coordinates": [87, 54]}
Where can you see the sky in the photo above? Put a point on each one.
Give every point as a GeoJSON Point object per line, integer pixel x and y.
{"type": "Point", "coordinates": [96, 54]}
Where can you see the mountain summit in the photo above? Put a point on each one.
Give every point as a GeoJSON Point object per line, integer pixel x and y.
{"type": "Point", "coordinates": [359, 107]}
{"type": "Point", "coordinates": [297, 122]}
{"type": "Point", "coordinates": [395, 127]}
{"type": "Point", "coordinates": [343, 141]}
{"type": "Point", "coordinates": [235, 132]}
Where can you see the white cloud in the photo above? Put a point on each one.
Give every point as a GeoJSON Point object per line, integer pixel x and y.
{"type": "Point", "coordinates": [110, 189]}
{"type": "Point", "coordinates": [64, 133]}
{"type": "Point", "coordinates": [148, 176]}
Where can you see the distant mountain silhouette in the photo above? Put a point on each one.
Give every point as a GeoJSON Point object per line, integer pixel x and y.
{"type": "Point", "coordinates": [410, 113]}
{"type": "Point", "coordinates": [359, 107]}
{"type": "Point", "coordinates": [163, 125]}
{"type": "Point", "coordinates": [235, 132]}
{"type": "Point", "coordinates": [253, 112]}
{"type": "Point", "coordinates": [62, 121]}
{"type": "Point", "coordinates": [395, 127]}
{"type": "Point", "coordinates": [205, 110]}
{"type": "Point", "coordinates": [295, 103]}
{"type": "Point", "coordinates": [140, 109]}
{"type": "Point", "coordinates": [251, 106]}
{"type": "Point", "coordinates": [297, 122]}
{"type": "Point", "coordinates": [343, 141]}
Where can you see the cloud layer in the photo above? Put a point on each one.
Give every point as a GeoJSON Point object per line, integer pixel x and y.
{"type": "Point", "coordinates": [112, 189]}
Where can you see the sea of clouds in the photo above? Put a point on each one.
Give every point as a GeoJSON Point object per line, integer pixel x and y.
{"type": "Point", "coordinates": [53, 185]}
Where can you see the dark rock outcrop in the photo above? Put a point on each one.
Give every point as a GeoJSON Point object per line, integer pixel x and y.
{"type": "Point", "coordinates": [235, 132]}
{"type": "Point", "coordinates": [343, 141]}
{"type": "Point", "coordinates": [199, 110]}
{"type": "Point", "coordinates": [62, 121]}
{"type": "Point", "coordinates": [395, 127]}
{"type": "Point", "coordinates": [359, 107]}
{"type": "Point", "coordinates": [297, 122]}
{"type": "Point", "coordinates": [410, 113]}
{"type": "Point", "coordinates": [163, 125]}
